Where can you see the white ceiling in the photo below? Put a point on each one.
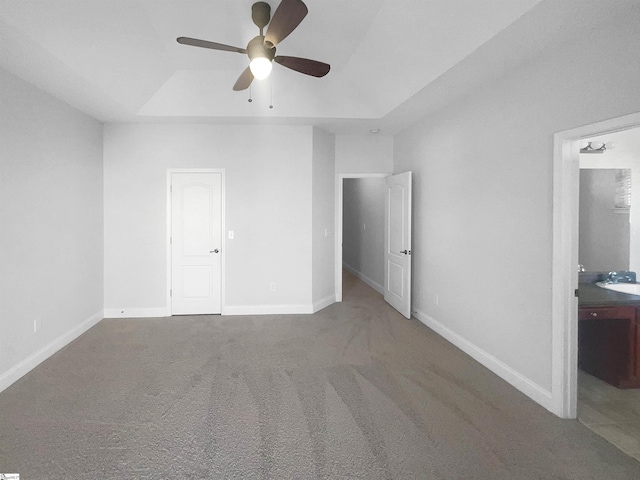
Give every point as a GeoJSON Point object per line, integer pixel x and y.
{"type": "Point", "coordinates": [119, 61]}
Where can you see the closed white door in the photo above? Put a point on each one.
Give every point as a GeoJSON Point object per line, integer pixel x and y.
{"type": "Point", "coordinates": [397, 243]}
{"type": "Point", "coordinates": [196, 243]}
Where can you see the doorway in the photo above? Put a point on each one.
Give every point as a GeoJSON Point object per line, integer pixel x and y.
{"type": "Point", "coordinates": [363, 230]}
{"type": "Point", "coordinates": [339, 228]}
{"type": "Point", "coordinates": [380, 254]}
{"type": "Point", "coordinates": [195, 250]}
{"type": "Point", "coordinates": [565, 258]}
{"type": "Point", "coordinates": [609, 220]}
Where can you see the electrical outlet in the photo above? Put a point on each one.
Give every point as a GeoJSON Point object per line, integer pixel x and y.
{"type": "Point", "coordinates": [37, 324]}
{"type": "Point", "coordinates": [273, 286]}
{"type": "Point", "coordinates": [326, 232]}
{"type": "Point", "coordinates": [364, 226]}
{"type": "Point", "coordinates": [436, 299]}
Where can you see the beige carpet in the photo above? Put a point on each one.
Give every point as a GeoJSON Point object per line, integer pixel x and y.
{"type": "Point", "coordinates": [355, 391]}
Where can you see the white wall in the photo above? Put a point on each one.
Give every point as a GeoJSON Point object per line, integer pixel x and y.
{"type": "Point", "coordinates": [323, 218]}
{"type": "Point", "coordinates": [51, 238]}
{"type": "Point", "coordinates": [363, 229]}
{"type": "Point", "coordinates": [268, 206]}
{"type": "Point", "coordinates": [364, 153]}
{"type": "Point", "coordinates": [483, 196]}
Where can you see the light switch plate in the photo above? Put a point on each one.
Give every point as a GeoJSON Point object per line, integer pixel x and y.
{"type": "Point", "coordinates": [230, 234]}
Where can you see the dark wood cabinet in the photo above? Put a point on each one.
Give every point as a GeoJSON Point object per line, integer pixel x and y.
{"type": "Point", "coordinates": [609, 344]}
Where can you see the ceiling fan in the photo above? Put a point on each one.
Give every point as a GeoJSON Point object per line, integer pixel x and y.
{"type": "Point", "coordinates": [261, 50]}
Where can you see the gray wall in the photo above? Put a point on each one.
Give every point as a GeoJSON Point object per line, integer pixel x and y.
{"type": "Point", "coordinates": [604, 233]}
{"type": "Point", "coordinates": [51, 244]}
{"type": "Point", "coordinates": [323, 219]}
{"type": "Point", "coordinates": [364, 153]}
{"type": "Point", "coordinates": [483, 190]}
{"type": "Point", "coordinates": [363, 229]}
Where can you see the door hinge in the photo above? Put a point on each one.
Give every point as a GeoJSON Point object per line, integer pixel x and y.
{"type": "Point", "coordinates": [170, 292]}
{"type": "Point", "coordinates": [170, 240]}
{"type": "Point", "coordinates": [575, 292]}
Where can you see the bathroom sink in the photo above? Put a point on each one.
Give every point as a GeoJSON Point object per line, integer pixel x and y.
{"type": "Point", "coordinates": [630, 288]}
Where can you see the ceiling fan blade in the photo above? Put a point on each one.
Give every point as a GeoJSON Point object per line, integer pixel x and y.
{"type": "Point", "coordinates": [286, 18]}
{"type": "Point", "coordinates": [244, 80]}
{"type": "Point", "coordinates": [304, 65]}
{"type": "Point", "coordinates": [194, 42]}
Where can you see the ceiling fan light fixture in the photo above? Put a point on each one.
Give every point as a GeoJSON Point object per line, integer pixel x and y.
{"type": "Point", "coordinates": [260, 67]}
{"type": "Point", "coordinates": [260, 58]}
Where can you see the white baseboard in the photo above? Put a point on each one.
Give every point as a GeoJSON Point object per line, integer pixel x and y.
{"type": "Point", "coordinates": [372, 283]}
{"type": "Point", "coordinates": [228, 310]}
{"type": "Point", "coordinates": [25, 366]}
{"type": "Point", "coordinates": [135, 312]}
{"type": "Point", "coordinates": [529, 388]}
{"type": "Point", "coordinates": [324, 303]}
{"type": "Point", "coordinates": [267, 309]}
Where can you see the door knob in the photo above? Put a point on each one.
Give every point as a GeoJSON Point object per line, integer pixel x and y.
{"type": "Point", "coordinates": [214, 251]}
{"type": "Point", "coordinates": [403, 251]}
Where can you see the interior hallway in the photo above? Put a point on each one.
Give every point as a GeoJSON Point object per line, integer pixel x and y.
{"type": "Point", "coordinates": [353, 391]}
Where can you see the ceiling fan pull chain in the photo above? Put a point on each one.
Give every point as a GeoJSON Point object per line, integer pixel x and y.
{"type": "Point", "coordinates": [250, 99]}
{"type": "Point", "coordinates": [271, 102]}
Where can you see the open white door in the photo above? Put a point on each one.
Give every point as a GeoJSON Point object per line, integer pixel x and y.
{"type": "Point", "coordinates": [397, 243]}
{"type": "Point", "coordinates": [196, 243]}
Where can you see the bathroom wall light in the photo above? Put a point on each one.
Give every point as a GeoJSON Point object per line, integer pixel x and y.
{"type": "Point", "coordinates": [594, 147]}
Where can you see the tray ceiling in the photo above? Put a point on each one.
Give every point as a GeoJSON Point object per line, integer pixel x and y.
{"type": "Point", "coordinates": [119, 61]}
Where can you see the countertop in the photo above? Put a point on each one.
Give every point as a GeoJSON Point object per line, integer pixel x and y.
{"type": "Point", "coordinates": [591, 295]}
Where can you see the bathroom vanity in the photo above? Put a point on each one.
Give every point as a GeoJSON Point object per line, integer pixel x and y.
{"type": "Point", "coordinates": [609, 335]}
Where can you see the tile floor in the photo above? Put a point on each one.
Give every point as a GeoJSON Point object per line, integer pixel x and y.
{"type": "Point", "coordinates": [612, 413]}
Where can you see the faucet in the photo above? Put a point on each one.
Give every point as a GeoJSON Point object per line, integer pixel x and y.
{"type": "Point", "coordinates": [621, 277]}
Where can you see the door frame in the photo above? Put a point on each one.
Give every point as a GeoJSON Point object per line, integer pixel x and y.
{"type": "Point", "coordinates": [564, 281]}
{"type": "Point", "coordinates": [338, 226]}
{"type": "Point", "coordinates": [221, 171]}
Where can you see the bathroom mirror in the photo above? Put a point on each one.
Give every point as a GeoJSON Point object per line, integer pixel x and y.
{"type": "Point", "coordinates": [618, 228]}
{"type": "Point", "coordinates": [605, 222]}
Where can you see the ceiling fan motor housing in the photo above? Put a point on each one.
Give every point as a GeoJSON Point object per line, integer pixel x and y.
{"type": "Point", "coordinates": [261, 14]}
{"type": "Point", "coordinates": [257, 48]}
